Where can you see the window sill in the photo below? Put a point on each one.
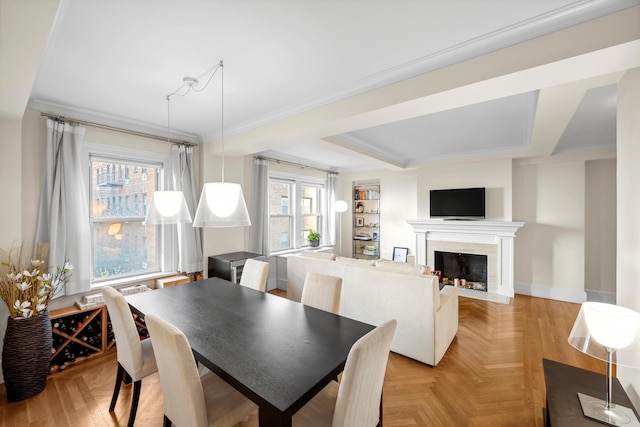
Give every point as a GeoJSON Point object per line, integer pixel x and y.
{"type": "Point", "coordinates": [132, 279]}
{"type": "Point", "coordinates": [285, 253]}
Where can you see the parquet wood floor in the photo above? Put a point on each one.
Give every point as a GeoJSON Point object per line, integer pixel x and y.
{"type": "Point", "coordinates": [490, 376]}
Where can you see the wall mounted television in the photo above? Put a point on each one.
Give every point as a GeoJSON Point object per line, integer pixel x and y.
{"type": "Point", "coordinates": [457, 203]}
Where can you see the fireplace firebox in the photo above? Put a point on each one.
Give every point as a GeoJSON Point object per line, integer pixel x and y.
{"type": "Point", "coordinates": [465, 270]}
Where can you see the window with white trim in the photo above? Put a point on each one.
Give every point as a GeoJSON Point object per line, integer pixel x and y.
{"type": "Point", "coordinates": [296, 207]}
{"type": "Point", "coordinates": [122, 246]}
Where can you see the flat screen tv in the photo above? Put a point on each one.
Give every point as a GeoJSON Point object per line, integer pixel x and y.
{"type": "Point", "coordinates": [458, 203]}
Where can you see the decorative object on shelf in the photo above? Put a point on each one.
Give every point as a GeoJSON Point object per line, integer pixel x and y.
{"type": "Point", "coordinates": [359, 207]}
{"type": "Point", "coordinates": [611, 333]}
{"type": "Point", "coordinates": [314, 238]}
{"type": "Point", "coordinates": [26, 287]}
{"type": "Point", "coordinates": [359, 221]}
{"type": "Point", "coordinates": [400, 254]}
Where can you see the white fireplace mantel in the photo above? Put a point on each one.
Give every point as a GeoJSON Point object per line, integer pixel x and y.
{"type": "Point", "coordinates": [499, 233]}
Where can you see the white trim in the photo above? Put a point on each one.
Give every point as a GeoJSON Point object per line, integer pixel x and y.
{"type": "Point", "coordinates": [550, 292]}
{"type": "Point", "coordinates": [167, 249]}
{"type": "Point", "coordinates": [601, 296]}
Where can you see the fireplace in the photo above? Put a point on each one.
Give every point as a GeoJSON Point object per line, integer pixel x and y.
{"type": "Point", "coordinates": [493, 239]}
{"type": "Point", "coordinates": [467, 271]}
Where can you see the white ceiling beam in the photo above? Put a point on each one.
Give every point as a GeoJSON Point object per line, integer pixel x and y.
{"type": "Point", "coordinates": [24, 32]}
{"type": "Point", "coordinates": [555, 59]}
{"type": "Point", "coordinates": [556, 106]}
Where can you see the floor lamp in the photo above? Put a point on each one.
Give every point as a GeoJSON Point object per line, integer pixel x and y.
{"type": "Point", "coordinates": [340, 206]}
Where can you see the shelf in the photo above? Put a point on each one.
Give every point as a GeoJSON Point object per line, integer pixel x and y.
{"type": "Point", "coordinates": [366, 219]}
{"type": "Point", "coordinates": [79, 334]}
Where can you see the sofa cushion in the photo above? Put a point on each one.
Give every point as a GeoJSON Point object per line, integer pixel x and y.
{"type": "Point", "coordinates": [319, 255]}
{"type": "Point", "coordinates": [401, 267]}
{"type": "Point", "coordinates": [358, 261]}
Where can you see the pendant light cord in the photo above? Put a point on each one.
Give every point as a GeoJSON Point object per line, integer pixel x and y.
{"type": "Point", "coordinates": [222, 116]}
{"type": "Point", "coordinates": [190, 84]}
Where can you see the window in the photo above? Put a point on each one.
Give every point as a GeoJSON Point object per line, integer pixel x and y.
{"type": "Point", "coordinates": [296, 206]}
{"type": "Point", "coordinates": [280, 217]}
{"type": "Point", "coordinates": [121, 245]}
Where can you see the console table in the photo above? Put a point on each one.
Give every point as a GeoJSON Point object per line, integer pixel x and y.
{"type": "Point", "coordinates": [563, 382]}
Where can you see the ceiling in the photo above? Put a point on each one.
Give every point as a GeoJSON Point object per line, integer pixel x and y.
{"type": "Point", "coordinates": [342, 85]}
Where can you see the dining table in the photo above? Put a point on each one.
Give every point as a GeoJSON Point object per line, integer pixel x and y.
{"type": "Point", "coordinates": [277, 352]}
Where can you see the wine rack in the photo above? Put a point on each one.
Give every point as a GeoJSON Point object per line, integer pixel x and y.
{"type": "Point", "coordinates": [79, 334]}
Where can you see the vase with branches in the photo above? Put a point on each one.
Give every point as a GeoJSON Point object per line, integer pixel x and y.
{"type": "Point", "coordinates": [27, 286]}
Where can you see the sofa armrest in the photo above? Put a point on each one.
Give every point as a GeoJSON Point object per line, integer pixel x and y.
{"type": "Point", "coordinates": [446, 321]}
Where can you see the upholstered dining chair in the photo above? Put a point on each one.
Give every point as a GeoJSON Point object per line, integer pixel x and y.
{"type": "Point", "coordinates": [254, 274]}
{"type": "Point", "coordinates": [355, 402]}
{"type": "Point", "coordinates": [135, 356]}
{"type": "Point", "coordinates": [190, 399]}
{"type": "Point", "coordinates": [322, 291]}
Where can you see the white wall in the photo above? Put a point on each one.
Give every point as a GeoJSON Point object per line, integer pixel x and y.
{"type": "Point", "coordinates": [600, 230]}
{"type": "Point", "coordinates": [549, 249]}
{"type": "Point", "coordinates": [628, 203]}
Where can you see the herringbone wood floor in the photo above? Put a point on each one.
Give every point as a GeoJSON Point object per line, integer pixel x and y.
{"type": "Point", "coordinates": [490, 376]}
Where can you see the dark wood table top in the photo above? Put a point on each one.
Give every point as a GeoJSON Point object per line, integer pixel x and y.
{"type": "Point", "coordinates": [563, 384]}
{"type": "Point", "coordinates": [277, 352]}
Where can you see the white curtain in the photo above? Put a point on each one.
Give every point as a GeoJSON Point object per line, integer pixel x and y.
{"type": "Point", "coordinates": [332, 183]}
{"type": "Point", "coordinates": [63, 220]}
{"type": "Point", "coordinates": [259, 232]}
{"type": "Point", "coordinates": [181, 179]}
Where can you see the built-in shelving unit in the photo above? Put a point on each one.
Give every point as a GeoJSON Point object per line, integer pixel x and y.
{"type": "Point", "coordinates": [366, 220]}
{"type": "Point", "coordinates": [80, 334]}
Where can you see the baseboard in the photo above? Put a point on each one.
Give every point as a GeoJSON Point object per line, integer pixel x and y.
{"type": "Point", "coordinates": [550, 292]}
{"type": "Point", "coordinates": [601, 296]}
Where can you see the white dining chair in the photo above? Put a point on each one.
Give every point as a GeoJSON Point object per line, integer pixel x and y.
{"type": "Point", "coordinates": [355, 401]}
{"type": "Point", "coordinates": [135, 356]}
{"type": "Point", "coordinates": [191, 399]}
{"type": "Point", "coordinates": [254, 274]}
{"type": "Point", "coordinates": [322, 291]}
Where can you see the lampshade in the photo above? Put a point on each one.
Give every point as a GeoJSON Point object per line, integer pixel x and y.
{"type": "Point", "coordinates": [610, 333]}
{"type": "Point", "coordinates": [168, 207]}
{"type": "Point", "coordinates": [340, 206]}
{"type": "Point", "coordinates": [599, 326]}
{"type": "Point", "coordinates": [222, 205]}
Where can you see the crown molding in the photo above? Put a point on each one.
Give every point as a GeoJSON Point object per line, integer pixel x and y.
{"type": "Point", "coordinates": [109, 120]}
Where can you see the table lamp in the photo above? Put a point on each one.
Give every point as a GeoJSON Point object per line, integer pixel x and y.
{"type": "Point", "coordinates": [611, 333]}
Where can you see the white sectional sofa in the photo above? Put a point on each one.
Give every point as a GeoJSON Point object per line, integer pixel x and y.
{"type": "Point", "coordinates": [373, 292]}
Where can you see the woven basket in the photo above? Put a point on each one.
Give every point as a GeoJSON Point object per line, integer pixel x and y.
{"type": "Point", "coordinates": [26, 356]}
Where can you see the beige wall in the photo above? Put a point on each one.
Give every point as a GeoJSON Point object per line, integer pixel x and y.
{"type": "Point", "coordinates": [11, 179]}
{"type": "Point", "coordinates": [398, 203]}
{"type": "Point", "coordinates": [494, 175]}
{"type": "Point", "coordinates": [628, 203]}
{"type": "Point", "coordinates": [549, 249]}
{"type": "Point", "coordinates": [600, 230]}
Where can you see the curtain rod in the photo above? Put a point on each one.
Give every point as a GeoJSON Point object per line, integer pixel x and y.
{"type": "Point", "coordinates": [300, 165]}
{"type": "Point", "coordinates": [117, 129]}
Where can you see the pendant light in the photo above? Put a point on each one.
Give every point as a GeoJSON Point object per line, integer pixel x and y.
{"type": "Point", "coordinates": [222, 203]}
{"type": "Point", "coordinates": [168, 207]}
